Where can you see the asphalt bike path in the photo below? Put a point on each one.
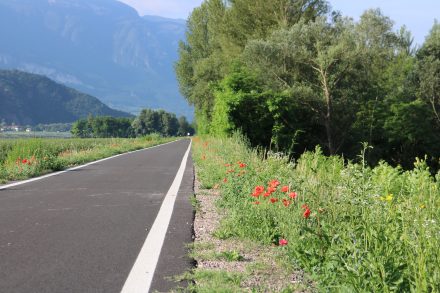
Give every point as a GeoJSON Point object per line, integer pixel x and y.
{"type": "Point", "coordinates": [85, 230]}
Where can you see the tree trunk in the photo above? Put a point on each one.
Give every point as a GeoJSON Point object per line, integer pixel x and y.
{"type": "Point", "coordinates": [329, 113]}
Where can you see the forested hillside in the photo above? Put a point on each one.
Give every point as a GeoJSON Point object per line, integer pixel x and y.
{"type": "Point", "coordinates": [295, 74]}
{"type": "Point", "coordinates": [30, 99]}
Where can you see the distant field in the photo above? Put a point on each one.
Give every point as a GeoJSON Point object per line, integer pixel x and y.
{"type": "Point", "coordinates": [38, 134]}
{"type": "Point", "coordinates": [22, 157]}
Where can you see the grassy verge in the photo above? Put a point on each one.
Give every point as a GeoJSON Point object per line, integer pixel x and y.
{"type": "Point", "coordinates": [350, 227]}
{"type": "Point", "coordinates": [25, 158]}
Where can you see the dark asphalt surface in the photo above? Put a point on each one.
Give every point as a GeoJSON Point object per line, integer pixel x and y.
{"type": "Point", "coordinates": [81, 231]}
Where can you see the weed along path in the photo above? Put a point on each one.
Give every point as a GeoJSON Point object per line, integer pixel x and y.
{"type": "Point", "coordinates": [117, 225]}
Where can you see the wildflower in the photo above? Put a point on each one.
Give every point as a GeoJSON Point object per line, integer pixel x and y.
{"type": "Point", "coordinates": [225, 180]}
{"type": "Point", "coordinates": [266, 194]}
{"type": "Point", "coordinates": [273, 200]}
{"type": "Point", "coordinates": [242, 165]}
{"type": "Point", "coordinates": [286, 202]}
{"type": "Point", "coordinates": [285, 188]}
{"type": "Point", "coordinates": [304, 206]}
{"type": "Point", "coordinates": [258, 191]}
{"type": "Point", "coordinates": [271, 189]}
{"type": "Point", "coordinates": [283, 242]}
{"type": "Point", "coordinates": [306, 213]}
{"type": "Point", "coordinates": [274, 183]}
{"type": "Point", "coordinates": [24, 161]}
{"type": "Point", "coordinates": [256, 202]}
{"type": "Point", "coordinates": [388, 198]}
{"type": "Point", "coordinates": [230, 171]}
{"type": "Point", "coordinates": [422, 206]}
{"type": "Point", "coordinates": [293, 195]}
{"type": "Point", "coordinates": [227, 165]}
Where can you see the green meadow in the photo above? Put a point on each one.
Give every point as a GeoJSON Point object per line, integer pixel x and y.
{"type": "Point", "coordinates": [25, 158]}
{"type": "Point", "coordinates": [351, 227]}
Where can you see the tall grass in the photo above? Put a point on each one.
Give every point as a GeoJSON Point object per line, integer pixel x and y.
{"type": "Point", "coordinates": [24, 158]}
{"type": "Point", "coordinates": [369, 229]}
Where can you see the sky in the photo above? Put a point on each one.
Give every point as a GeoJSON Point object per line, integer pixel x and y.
{"type": "Point", "coordinates": [417, 15]}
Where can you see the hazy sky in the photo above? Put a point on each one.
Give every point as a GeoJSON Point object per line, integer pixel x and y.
{"type": "Point", "coordinates": [417, 15]}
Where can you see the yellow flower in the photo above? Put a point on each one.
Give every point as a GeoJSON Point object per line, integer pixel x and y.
{"type": "Point", "coordinates": [388, 198]}
{"type": "Point", "coordinates": [422, 206]}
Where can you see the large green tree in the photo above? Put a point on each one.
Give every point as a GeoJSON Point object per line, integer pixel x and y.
{"type": "Point", "coordinates": [217, 34]}
{"type": "Point", "coordinates": [428, 69]}
{"type": "Point", "coordinates": [315, 62]}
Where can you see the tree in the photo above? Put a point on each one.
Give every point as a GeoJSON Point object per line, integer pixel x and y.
{"type": "Point", "coordinates": [184, 127]}
{"type": "Point", "coordinates": [428, 69]}
{"type": "Point", "coordinates": [200, 61]}
{"type": "Point", "coordinates": [81, 129]}
{"type": "Point", "coordinates": [316, 62]}
{"type": "Point", "coordinates": [102, 127]}
{"type": "Point", "coordinates": [151, 121]}
{"type": "Point", "coordinates": [170, 124]}
{"type": "Point", "coordinates": [217, 34]}
{"type": "Point", "coordinates": [147, 122]}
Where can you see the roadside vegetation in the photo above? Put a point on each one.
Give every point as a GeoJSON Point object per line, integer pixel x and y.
{"type": "Point", "coordinates": [25, 158]}
{"type": "Point", "coordinates": [350, 227]}
{"type": "Point", "coordinates": [295, 74]}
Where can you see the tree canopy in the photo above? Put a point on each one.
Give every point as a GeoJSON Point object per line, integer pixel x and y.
{"type": "Point", "coordinates": [292, 74]}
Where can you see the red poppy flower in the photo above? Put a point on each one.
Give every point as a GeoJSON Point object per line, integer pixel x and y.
{"type": "Point", "coordinates": [285, 188]}
{"type": "Point", "coordinates": [258, 190]}
{"type": "Point", "coordinates": [271, 189]}
{"type": "Point", "coordinates": [293, 195]}
{"type": "Point", "coordinates": [230, 171]}
{"type": "Point", "coordinates": [225, 180]}
{"type": "Point", "coordinates": [304, 206]}
{"type": "Point", "coordinates": [283, 242]}
{"type": "Point", "coordinates": [227, 165]}
{"type": "Point", "coordinates": [274, 183]}
{"type": "Point", "coordinates": [242, 165]}
{"type": "Point", "coordinates": [286, 202]}
{"type": "Point", "coordinates": [273, 200]}
{"type": "Point", "coordinates": [306, 213]}
{"type": "Point", "coordinates": [267, 194]}
{"type": "Point", "coordinates": [24, 161]}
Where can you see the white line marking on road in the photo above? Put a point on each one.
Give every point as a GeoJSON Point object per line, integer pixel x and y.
{"type": "Point", "coordinates": [77, 167]}
{"type": "Point", "coordinates": [141, 275]}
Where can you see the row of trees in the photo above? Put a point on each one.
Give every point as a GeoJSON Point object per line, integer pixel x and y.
{"type": "Point", "coordinates": [149, 121]}
{"type": "Point", "coordinates": [292, 74]}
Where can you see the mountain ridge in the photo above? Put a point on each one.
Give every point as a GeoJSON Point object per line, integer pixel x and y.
{"type": "Point", "coordinates": [101, 47]}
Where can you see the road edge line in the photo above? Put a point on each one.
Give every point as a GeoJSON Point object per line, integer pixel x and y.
{"type": "Point", "coordinates": [142, 272]}
{"type": "Point", "coordinates": [6, 186]}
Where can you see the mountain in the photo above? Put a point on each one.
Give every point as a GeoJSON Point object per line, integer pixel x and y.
{"type": "Point", "coordinates": [100, 47]}
{"type": "Point", "coordinates": [30, 99]}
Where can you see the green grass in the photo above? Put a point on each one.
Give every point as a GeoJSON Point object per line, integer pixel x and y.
{"type": "Point", "coordinates": [369, 229]}
{"type": "Point", "coordinates": [34, 134]}
{"type": "Point", "coordinates": [210, 281]}
{"type": "Point", "coordinates": [25, 158]}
